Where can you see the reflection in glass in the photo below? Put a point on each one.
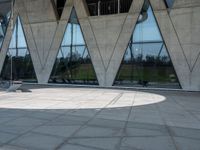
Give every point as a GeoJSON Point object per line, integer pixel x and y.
{"type": "Point", "coordinates": [73, 64]}
{"type": "Point", "coordinates": [4, 19]}
{"type": "Point", "coordinates": [18, 57]}
{"type": "Point", "coordinates": [169, 3]}
{"type": "Point", "coordinates": [146, 61]}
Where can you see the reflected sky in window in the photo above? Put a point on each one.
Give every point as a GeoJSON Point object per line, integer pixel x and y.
{"type": "Point", "coordinates": [147, 31]}
{"type": "Point", "coordinates": [19, 56]}
{"type": "Point", "coordinates": [154, 49]}
{"type": "Point", "coordinates": [146, 61]}
{"type": "Point", "coordinates": [18, 46]}
{"type": "Point", "coordinates": [73, 35]}
{"type": "Point", "coordinates": [73, 64]}
{"type": "Point", "coordinates": [18, 38]}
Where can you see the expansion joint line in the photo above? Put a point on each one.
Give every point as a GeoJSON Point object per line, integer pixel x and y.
{"type": "Point", "coordinates": [33, 38]}
{"type": "Point", "coordinates": [126, 123]}
{"type": "Point", "coordinates": [82, 126]}
{"type": "Point", "coordinates": [118, 38]}
{"type": "Point", "coordinates": [179, 41]}
{"type": "Point", "coordinates": [96, 43]}
{"type": "Point", "coordinates": [31, 129]}
{"type": "Point", "coordinates": [167, 127]}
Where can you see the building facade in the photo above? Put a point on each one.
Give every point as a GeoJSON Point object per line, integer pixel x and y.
{"type": "Point", "coordinates": [131, 43]}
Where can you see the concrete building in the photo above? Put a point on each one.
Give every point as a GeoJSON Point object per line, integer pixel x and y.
{"type": "Point", "coordinates": [100, 33]}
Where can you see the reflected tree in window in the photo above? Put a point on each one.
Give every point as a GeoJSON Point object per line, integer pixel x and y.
{"type": "Point", "coordinates": [18, 64]}
{"type": "Point", "coordinates": [73, 64]}
{"type": "Point", "coordinates": [146, 61]}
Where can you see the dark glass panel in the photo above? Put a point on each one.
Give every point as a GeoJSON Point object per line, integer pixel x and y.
{"type": "Point", "coordinates": [5, 12]}
{"type": "Point", "coordinates": [60, 4]}
{"type": "Point", "coordinates": [18, 59]}
{"type": "Point", "coordinates": [146, 61]}
{"type": "Point", "coordinates": [107, 7]}
{"type": "Point", "coordinates": [169, 3]}
{"type": "Point", "coordinates": [73, 64]}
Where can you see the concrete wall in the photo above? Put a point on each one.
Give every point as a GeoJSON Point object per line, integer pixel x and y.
{"type": "Point", "coordinates": [107, 36]}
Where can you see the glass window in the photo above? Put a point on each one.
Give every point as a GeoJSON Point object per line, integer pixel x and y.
{"type": "Point", "coordinates": [147, 30]}
{"type": "Point", "coordinates": [106, 7]}
{"type": "Point", "coordinates": [146, 61]}
{"type": "Point", "coordinates": [169, 3]}
{"type": "Point", "coordinates": [5, 12]}
{"type": "Point", "coordinates": [73, 64]}
{"type": "Point", "coordinates": [60, 4]}
{"type": "Point", "coordinates": [18, 64]}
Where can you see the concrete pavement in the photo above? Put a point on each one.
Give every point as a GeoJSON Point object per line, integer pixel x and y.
{"type": "Point", "coordinates": [99, 119]}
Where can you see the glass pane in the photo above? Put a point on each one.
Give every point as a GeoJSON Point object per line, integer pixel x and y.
{"type": "Point", "coordinates": [19, 57]}
{"type": "Point", "coordinates": [73, 64]}
{"type": "Point", "coordinates": [20, 36]}
{"type": "Point", "coordinates": [60, 6]}
{"type": "Point", "coordinates": [146, 61]}
{"type": "Point", "coordinates": [13, 42]}
{"type": "Point", "coordinates": [146, 29]}
{"type": "Point", "coordinates": [67, 36]}
{"type": "Point", "coordinates": [169, 3]}
{"type": "Point", "coordinates": [5, 11]}
{"type": "Point", "coordinates": [78, 36]}
{"type": "Point", "coordinates": [107, 7]}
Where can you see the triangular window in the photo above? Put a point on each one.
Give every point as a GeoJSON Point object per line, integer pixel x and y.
{"type": "Point", "coordinates": [73, 64]}
{"type": "Point", "coordinates": [5, 17]}
{"type": "Point", "coordinates": [146, 61]}
{"type": "Point", "coordinates": [18, 64]}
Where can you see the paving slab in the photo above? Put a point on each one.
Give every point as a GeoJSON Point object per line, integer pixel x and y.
{"type": "Point", "coordinates": [93, 131]}
{"type": "Point", "coordinates": [99, 119]}
{"type": "Point", "coordinates": [76, 147]}
{"type": "Point", "coordinates": [62, 131]}
{"type": "Point", "coordinates": [6, 137]}
{"type": "Point", "coordinates": [34, 141]}
{"type": "Point", "coordinates": [99, 143]}
{"type": "Point", "coordinates": [148, 143]}
{"type": "Point", "coordinates": [187, 143]}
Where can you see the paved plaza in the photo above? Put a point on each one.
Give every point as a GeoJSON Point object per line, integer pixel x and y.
{"type": "Point", "coordinates": [99, 119]}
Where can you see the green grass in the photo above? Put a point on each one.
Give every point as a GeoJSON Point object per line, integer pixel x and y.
{"type": "Point", "coordinates": [82, 72]}
{"type": "Point", "coordinates": [151, 74]}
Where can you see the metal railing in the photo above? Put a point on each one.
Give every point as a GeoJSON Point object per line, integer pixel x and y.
{"type": "Point", "coordinates": [109, 7]}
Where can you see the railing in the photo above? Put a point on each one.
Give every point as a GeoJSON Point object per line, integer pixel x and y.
{"type": "Point", "coordinates": [93, 9]}
{"type": "Point", "coordinates": [109, 7]}
{"type": "Point", "coordinates": [125, 5]}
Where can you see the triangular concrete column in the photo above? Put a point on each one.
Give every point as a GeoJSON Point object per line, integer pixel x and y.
{"type": "Point", "coordinates": [40, 25]}
{"type": "Point", "coordinates": [107, 39]}
{"type": "Point", "coordinates": [185, 62]}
